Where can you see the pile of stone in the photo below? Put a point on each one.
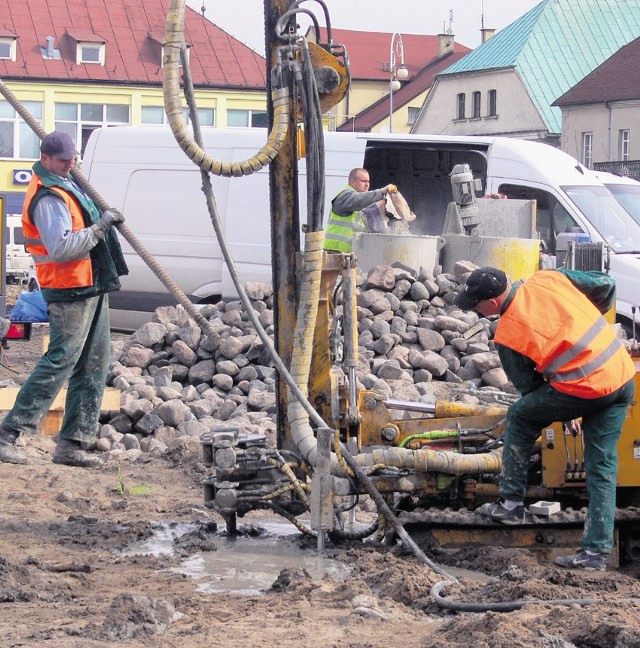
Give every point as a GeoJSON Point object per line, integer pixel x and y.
{"type": "Point", "coordinates": [178, 383]}
{"type": "Point", "coordinates": [411, 331]}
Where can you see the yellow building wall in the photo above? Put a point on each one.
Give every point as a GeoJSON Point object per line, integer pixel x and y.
{"type": "Point", "coordinates": [363, 94]}
{"type": "Point", "coordinates": [135, 97]}
{"type": "Point", "coordinates": [400, 119]}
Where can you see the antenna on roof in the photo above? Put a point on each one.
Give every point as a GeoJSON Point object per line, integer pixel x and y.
{"type": "Point", "coordinates": [481, 14]}
{"type": "Point", "coordinates": [203, 9]}
{"type": "Point", "coordinates": [450, 30]}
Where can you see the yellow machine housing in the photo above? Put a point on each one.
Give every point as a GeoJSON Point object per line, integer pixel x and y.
{"type": "Point", "coordinates": [563, 451]}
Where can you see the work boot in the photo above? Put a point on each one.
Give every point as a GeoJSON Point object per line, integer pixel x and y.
{"type": "Point", "coordinates": [70, 453]}
{"type": "Point", "coordinates": [498, 513]}
{"type": "Point", "coordinates": [8, 451]}
{"type": "Point", "coordinates": [583, 560]}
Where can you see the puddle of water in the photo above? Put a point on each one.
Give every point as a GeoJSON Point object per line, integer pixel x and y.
{"type": "Point", "coordinates": [161, 542]}
{"type": "Point", "coordinates": [242, 565]}
{"type": "Point", "coordinates": [249, 565]}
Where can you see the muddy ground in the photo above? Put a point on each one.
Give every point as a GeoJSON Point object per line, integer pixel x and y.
{"type": "Point", "coordinates": [65, 581]}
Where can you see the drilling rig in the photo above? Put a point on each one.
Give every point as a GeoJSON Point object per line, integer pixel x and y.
{"type": "Point", "coordinates": [428, 467]}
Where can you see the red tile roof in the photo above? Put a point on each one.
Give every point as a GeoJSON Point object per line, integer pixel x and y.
{"type": "Point", "coordinates": [133, 31]}
{"type": "Point", "coordinates": [617, 79]}
{"type": "Point", "coordinates": [369, 52]}
{"type": "Point", "coordinates": [423, 80]}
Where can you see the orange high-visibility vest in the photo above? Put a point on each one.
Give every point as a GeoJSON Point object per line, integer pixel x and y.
{"type": "Point", "coordinates": [551, 322]}
{"type": "Point", "coordinates": [71, 274]}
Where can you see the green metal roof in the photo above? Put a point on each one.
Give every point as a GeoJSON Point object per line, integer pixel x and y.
{"type": "Point", "coordinates": [555, 45]}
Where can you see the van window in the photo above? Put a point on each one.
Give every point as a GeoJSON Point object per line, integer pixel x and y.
{"type": "Point", "coordinates": [612, 221]}
{"type": "Point", "coordinates": [551, 217]}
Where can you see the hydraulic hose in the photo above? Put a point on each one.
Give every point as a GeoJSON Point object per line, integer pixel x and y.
{"type": "Point", "coordinates": [301, 402]}
{"type": "Point", "coordinates": [126, 233]}
{"type": "Point", "coordinates": [504, 606]}
{"type": "Point", "coordinates": [194, 150]}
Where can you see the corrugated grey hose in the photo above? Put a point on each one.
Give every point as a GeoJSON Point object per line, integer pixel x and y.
{"type": "Point", "coordinates": [175, 20]}
{"type": "Point", "coordinates": [126, 233]}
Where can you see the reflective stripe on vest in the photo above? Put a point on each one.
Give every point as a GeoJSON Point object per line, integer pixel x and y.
{"type": "Point", "coordinates": [71, 274]}
{"type": "Point", "coordinates": [555, 325]}
{"type": "Point", "coordinates": [340, 229]}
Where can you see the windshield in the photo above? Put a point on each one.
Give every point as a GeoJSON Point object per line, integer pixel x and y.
{"type": "Point", "coordinates": [628, 195]}
{"type": "Point", "coordinates": [612, 221]}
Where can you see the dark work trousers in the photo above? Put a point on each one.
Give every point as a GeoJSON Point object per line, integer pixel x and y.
{"type": "Point", "coordinates": [79, 350]}
{"type": "Point", "coordinates": [602, 420]}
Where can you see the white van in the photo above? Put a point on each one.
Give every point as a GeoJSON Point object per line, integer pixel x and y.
{"type": "Point", "coordinates": [18, 259]}
{"type": "Point", "coordinates": [570, 198]}
{"type": "Point", "coordinates": [143, 172]}
{"type": "Point", "coordinates": [625, 190]}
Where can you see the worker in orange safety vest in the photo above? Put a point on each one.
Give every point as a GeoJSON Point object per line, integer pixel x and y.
{"type": "Point", "coordinates": [567, 362]}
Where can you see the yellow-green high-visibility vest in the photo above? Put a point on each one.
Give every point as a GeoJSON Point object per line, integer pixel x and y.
{"type": "Point", "coordinates": [339, 232]}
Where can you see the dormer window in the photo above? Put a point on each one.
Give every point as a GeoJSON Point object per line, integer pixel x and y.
{"type": "Point", "coordinates": [180, 59]}
{"type": "Point", "coordinates": [90, 48]}
{"type": "Point", "coordinates": [89, 52]}
{"type": "Point", "coordinates": [8, 48]}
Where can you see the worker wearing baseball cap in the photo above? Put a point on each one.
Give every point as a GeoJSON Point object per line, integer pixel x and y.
{"type": "Point", "coordinates": [78, 261]}
{"type": "Point", "coordinates": [567, 363]}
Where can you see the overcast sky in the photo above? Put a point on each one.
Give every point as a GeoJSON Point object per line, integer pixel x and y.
{"type": "Point", "coordinates": [244, 19]}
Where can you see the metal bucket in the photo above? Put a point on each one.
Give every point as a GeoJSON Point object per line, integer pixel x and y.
{"type": "Point", "coordinates": [386, 249]}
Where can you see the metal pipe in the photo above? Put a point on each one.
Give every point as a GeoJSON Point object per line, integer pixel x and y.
{"type": "Point", "coordinates": [410, 406]}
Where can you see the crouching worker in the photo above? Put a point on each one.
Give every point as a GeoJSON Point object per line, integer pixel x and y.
{"type": "Point", "coordinates": [566, 361]}
{"type": "Point", "coordinates": [78, 261]}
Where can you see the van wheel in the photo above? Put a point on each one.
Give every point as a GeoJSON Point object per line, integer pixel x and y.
{"type": "Point", "coordinates": [33, 285]}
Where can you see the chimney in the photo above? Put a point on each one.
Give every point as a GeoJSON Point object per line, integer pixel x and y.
{"type": "Point", "coordinates": [486, 34]}
{"type": "Point", "coordinates": [445, 43]}
{"type": "Point", "coordinates": [49, 46]}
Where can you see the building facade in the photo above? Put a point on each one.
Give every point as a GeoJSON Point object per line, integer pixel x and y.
{"type": "Point", "coordinates": [508, 85]}
{"type": "Point", "coordinates": [601, 114]}
{"type": "Point", "coordinates": [102, 66]}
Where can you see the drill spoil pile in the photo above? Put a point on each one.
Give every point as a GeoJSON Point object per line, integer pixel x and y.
{"type": "Point", "coordinates": [178, 383]}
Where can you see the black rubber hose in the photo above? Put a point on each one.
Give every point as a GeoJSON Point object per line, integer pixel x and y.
{"type": "Point", "coordinates": [504, 606]}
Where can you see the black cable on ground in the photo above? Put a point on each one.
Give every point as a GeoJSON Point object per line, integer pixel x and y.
{"type": "Point", "coordinates": [503, 606]}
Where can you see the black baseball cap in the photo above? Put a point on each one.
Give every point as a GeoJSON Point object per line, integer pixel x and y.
{"type": "Point", "coordinates": [483, 283]}
{"type": "Point", "coordinates": [59, 144]}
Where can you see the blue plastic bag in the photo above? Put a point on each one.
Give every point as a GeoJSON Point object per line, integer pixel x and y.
{"type": "Point", "coordinates": [30, 307]}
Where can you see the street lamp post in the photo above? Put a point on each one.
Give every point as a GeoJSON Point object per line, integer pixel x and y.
{"type": "Point", "coordinates": [397, 74]}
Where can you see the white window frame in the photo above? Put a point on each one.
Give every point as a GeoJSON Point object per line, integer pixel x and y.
{"type": "Point", "coordinates": [412, 115]}
{"type": "Point", "coordinates": [202, 112]}
{"type": "Point", "coordinates": [78, 126]}
{"type": "Point", "coordinates": [11, 42]}
{"type": "Point", "coordinates": [476, 105]}
{"type": "Point", "coordinates": [86, 46]}
{"type": "Point", "coordinates": [250, 113]}
{"type": "Point", "coordinates": [22, 133]}
{"type": "Point", "coordinates": [180, 58]}
{"type": "Point", "coordinates": [461, 108]}
{"type": "Point", "coordinates": [587, 149]}
{"type": "Point", "coordinates": [624, 144]}
{"type": "Point", "coordinates": [492, 103]}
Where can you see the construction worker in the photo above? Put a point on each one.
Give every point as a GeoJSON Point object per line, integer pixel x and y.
{"type": "Point", "coordinates": [566, 361]}
{"type": "Point", "coordinates": [344, 217]}
{"type": "Point", "coordinates": [78, 261]}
